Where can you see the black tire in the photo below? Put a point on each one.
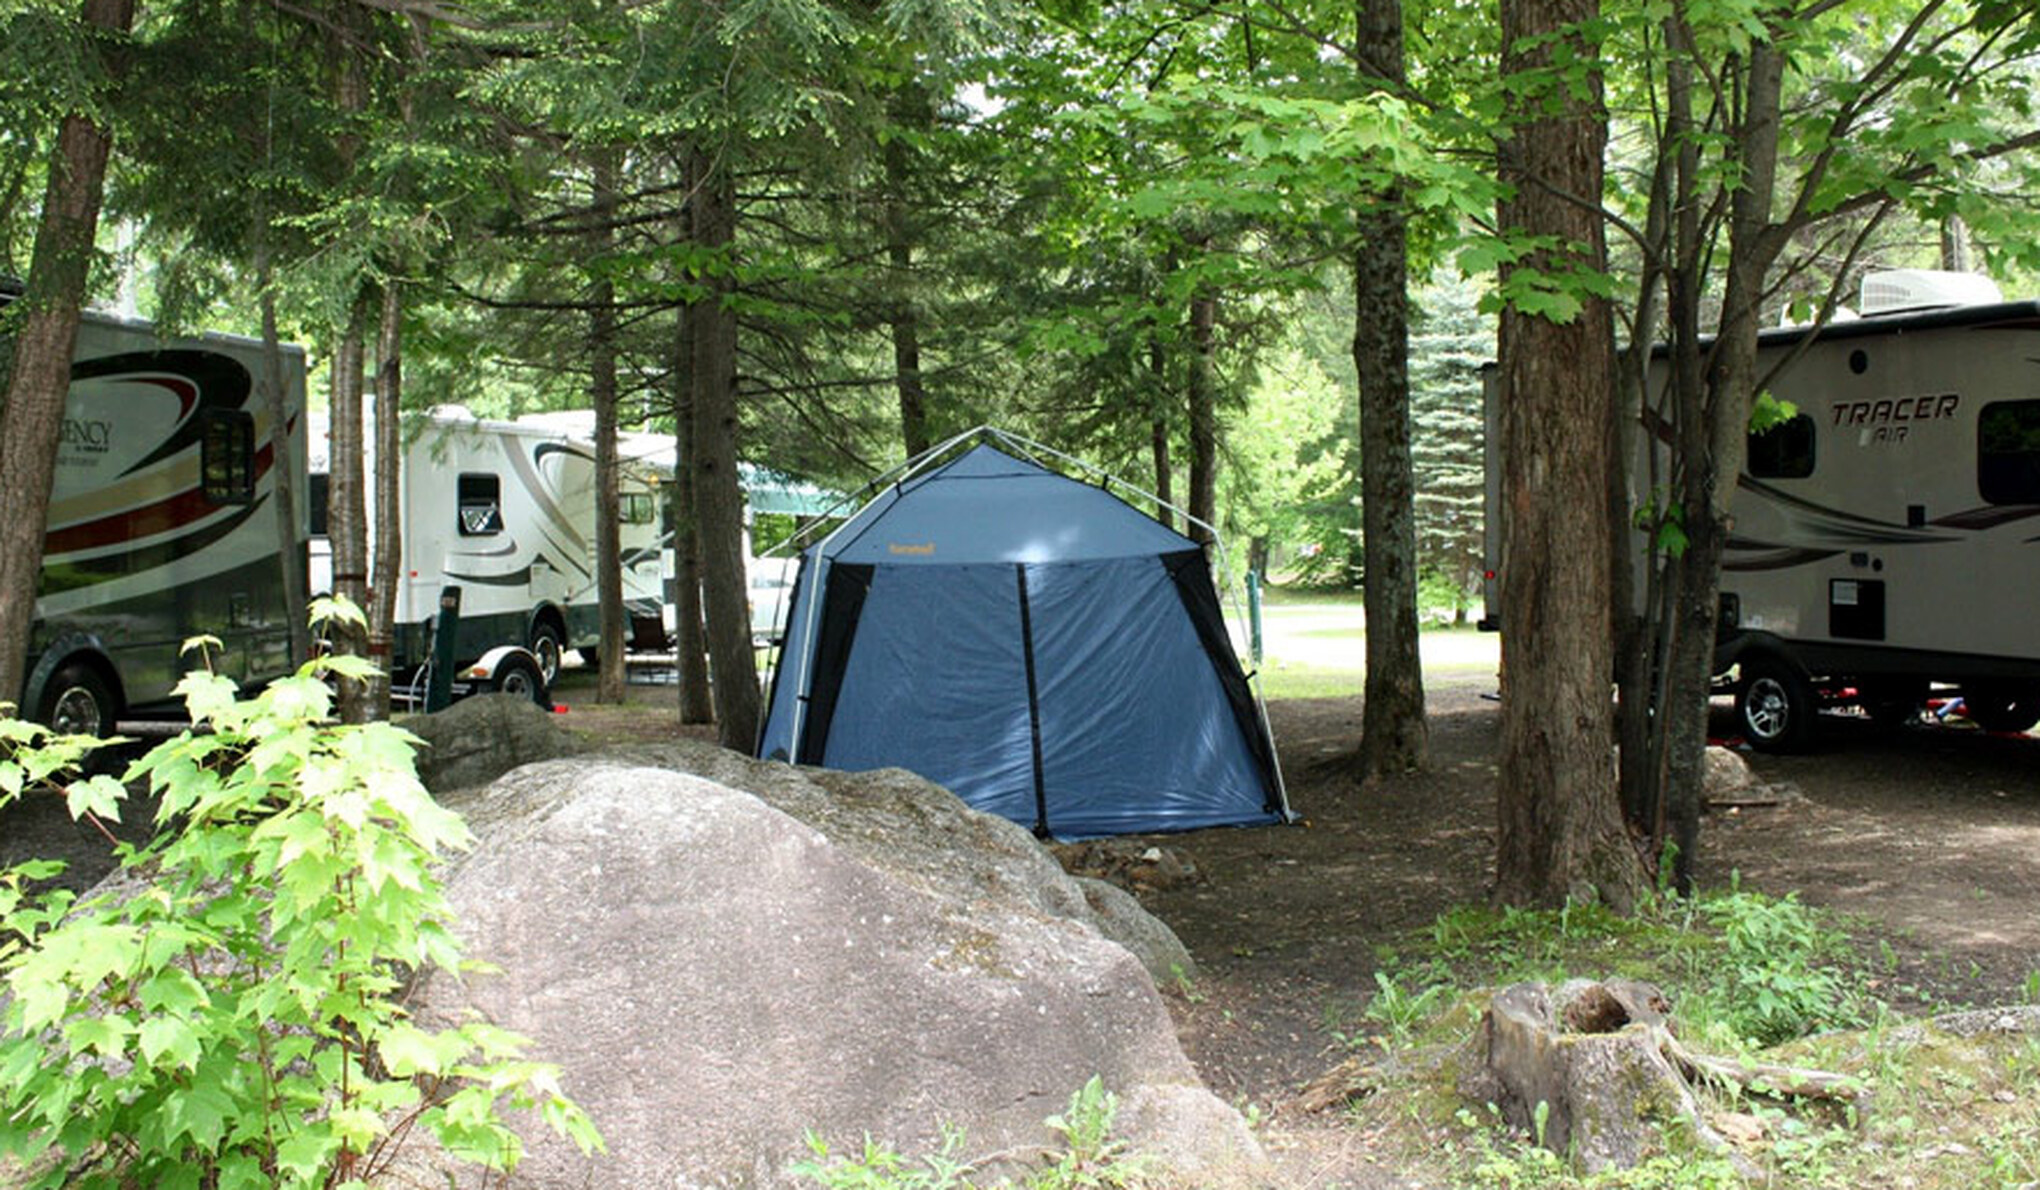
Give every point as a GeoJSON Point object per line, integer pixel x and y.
{"type": "Point", "coordinates": [546, 646]}
{"type": "Point", "coordinates": [2002, 708]}
{"type": "Point", "coordinates": [517, 675]}
{"type": "Point", "coordinates": [77, 701]}
{"type": "Point", "coordinates": [1775, 704]}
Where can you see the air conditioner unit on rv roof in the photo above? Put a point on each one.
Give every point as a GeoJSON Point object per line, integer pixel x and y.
{"type": "Point", "coordinates": [1922, 289]}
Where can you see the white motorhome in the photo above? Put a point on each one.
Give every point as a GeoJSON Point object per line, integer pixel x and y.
{"type": "Point", "coordinates": [1886, 540]}
{"type": "Point", "coordinates": [505, 511]}
{"type": "Point", "coordinates": [162, 525]}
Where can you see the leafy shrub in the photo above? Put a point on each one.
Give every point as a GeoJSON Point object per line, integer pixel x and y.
{"type": "Point", "coordinates": [1776, 984]}
{"type": "Point", "coordinates": [235, 1020]}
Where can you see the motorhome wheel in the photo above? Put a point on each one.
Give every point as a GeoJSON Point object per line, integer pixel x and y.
{"type": "Point", "coordinates": [77, 702]}
{"type": "Point", "coordinates": [1776, 705]}
{"type": "Point", "coordinates": [517, 675]}
{"type": "Point", "coordinates": [545, 645]}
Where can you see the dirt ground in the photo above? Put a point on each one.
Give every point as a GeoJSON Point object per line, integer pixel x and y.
{"type": "Point", "coordinates": [1929, 835]}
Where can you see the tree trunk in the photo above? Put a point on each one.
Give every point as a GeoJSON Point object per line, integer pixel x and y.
{"type": "Point", "coordinates": [718, 493]}
{"type": "Point", "coordinates": [387, 567]}
{"type": "Point", "coordinates": [1954, 244]}
{"type": "Point", "coordinates": [32, 416]}
{"type": "Point", "coordinates": [291, 555]}
{"type": "Point", "coordinates": [346, 508]}
{"type": "Point", "coordinates": [1393, 735]}
{"type": "Point", "coordinates": [1158, 428]}
{"type": "Point", "coordinates": [1723, 436]}
{"type": "Point", "coordinates": [1636, 588]}
{"type": "Point", "coordinates": [905, 319]}
{"type": "Point", "coordinates": [1561, 833]}
{"type": "Point", "coordinates": [690, 643]}
{"type": "Point", "coordinates": [347, 513]}
{"type": "Point", "coordinates": [1203, 417]}
{"type": "Point", "coordinates": [609, 685]}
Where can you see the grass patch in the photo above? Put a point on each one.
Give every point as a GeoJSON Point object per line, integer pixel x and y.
{"type": "Point", "coordinates": [1748, 976]}
{"type": "Point", "coordinates": [1279, 596]}
{"type": "Point", "coordinates": [1288, 680]}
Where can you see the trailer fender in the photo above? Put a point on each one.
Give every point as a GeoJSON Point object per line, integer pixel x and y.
{"type": "Point", "coordinates": [65, 649]}
{"type": "Point", "coordinates": [509, 668]}
{"type": "Point", "coordinates": [1733, 648]}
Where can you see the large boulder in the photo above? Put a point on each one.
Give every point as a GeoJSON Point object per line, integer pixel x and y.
{"type": "Point", "coordinates": [479, 738]}
{"type": "Point", "coordinates": [717, 977]}
{"type": "Point", "coordinates": [921, 832]}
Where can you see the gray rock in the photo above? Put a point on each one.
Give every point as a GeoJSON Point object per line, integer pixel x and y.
{"type": "Point", "coordinates": [917, 830]}
{"type": "Point", "coordinates": [1728, 780]}
{"type": "Point", "coordinates": [1119, 916]}
{"type": "Point", "coordinates": [716, 978]}
{"type": "Point", "coordinates": [478, 739]}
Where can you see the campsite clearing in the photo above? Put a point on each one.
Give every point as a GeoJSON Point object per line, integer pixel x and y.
{"type": "Point", "coordinates": [1925, 837]}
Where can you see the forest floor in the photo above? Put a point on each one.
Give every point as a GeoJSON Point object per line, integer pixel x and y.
{"type": "Point", "coordinates": [1925, 838]}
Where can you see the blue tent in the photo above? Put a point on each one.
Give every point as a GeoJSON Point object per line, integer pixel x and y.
{"type": "Point", "coordinates": [1031, 642]}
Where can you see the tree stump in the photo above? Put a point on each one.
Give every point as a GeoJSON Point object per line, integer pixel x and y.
{"type": "Point", "coordinates": [1594, 1055]}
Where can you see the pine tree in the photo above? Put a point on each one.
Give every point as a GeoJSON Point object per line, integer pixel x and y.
{"type": "Point", "coordinates": [1449, 343]}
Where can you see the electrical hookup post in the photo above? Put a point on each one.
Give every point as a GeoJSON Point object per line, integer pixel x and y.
{"type": "Point", "coordinates": [439, 691]}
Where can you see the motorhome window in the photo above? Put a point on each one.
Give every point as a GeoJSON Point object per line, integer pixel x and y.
{"type": "Point", "coordinates": [319, 485]}
{"type": "Point", "coordinates": [2008, 452]}
{"type": "Point", "coordinates": [635, 508]}
{"type": "Point", "coordinates": [226, 456]}
{"type": "Point", "coordinates": [481, 505]}
{"type": "Point", "coordinates": [1785, 451]}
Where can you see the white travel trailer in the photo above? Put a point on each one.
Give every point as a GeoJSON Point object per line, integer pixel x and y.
{"type": "Point", "coordinates": [1886, 540]}
{"type": "Point", "coordinates": [162, 525]}
{"type": "Point", "coordinates": [505, 511]}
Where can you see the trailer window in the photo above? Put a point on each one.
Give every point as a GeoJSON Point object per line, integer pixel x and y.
{"type": "Point", "coordinates": [1785, 451]}
{"type": "Point", "coordinates": [226, 456]}
{"type": "Point", "coordinates": [635, 508]}
{"type": "Point", "coordinates": [2008, 452]}
{"type": "Point", "coordinates": [481, 505]}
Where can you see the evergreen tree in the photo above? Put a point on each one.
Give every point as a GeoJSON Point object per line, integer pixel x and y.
{"type": "Point", "coordinates": [1450, 342]}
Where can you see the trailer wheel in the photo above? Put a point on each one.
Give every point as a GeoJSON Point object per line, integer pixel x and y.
{"type": "Point", "coordinates": [545, 645]}
{"type": "Point", "coordinates": [1776, 704]}
{"type": "Point", "coordinates": [77, 702]}
{"type": "Point", "coordinates": [2002, 708]}
{"type": "Point", "coordinates": [517, 675]}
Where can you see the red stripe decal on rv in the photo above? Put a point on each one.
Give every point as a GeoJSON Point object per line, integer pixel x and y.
{"type": "Point", "coordinates": [176, 511]}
